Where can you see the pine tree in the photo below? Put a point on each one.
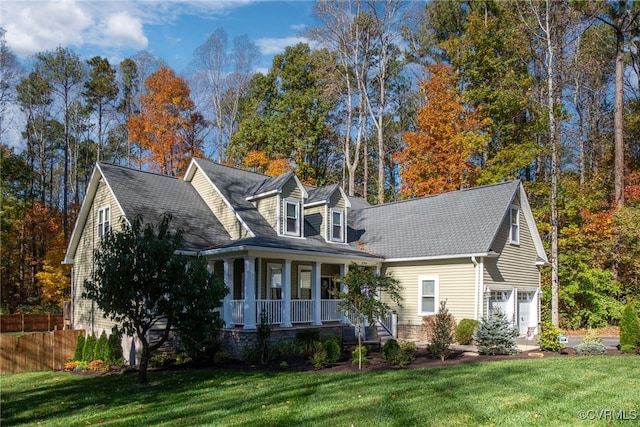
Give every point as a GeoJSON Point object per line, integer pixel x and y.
{"type": "Point", "coordinates": [629, 330]}
{"type": "Point", "coordinates": [496, 335]}
{"type": "Point", "coordinates": [443, 333]}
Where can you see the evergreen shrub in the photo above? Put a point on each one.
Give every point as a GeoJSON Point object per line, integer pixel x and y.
{"type": "Point", "coordinates": [442, 337]}
{"type": "Point", "coordinates": [629, 330]}
{"type": "Point", "coordinates": [464, 331]}
{"type": "Point", "coordinates": [89, 346]}
{"type": "Point", "coordinates": [590, 348]}
{"type": "Point", "coordinates": [496, 335]}
{"type": "Point", "coordinates": [99, 351]}
{"type": "Point", "coordinates": [77, 354]}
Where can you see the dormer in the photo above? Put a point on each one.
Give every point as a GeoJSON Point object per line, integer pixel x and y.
{"type": "Point", "coordinates": [326, 210]}
{"type": "Point", "coordinates": [280, 201]}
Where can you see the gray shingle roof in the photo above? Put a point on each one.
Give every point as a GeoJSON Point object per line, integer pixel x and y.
{"type": "Point", "coordinates": [269, 184]}
{"type": "Point", "coordinates": [320, 194]}
{"type": "Point", "coordinates": [455, 223]}
{"type": "Point", "coordinates": [151, 195]}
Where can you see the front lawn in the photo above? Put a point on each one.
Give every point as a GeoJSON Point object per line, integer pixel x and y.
{"type": "Point", "coordinates": [553, 391]}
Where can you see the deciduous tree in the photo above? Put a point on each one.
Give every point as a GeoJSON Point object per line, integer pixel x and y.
{"type": "Point", "coordinates": [438, 157]}
{"type": "Point", "coordinates": [167, 126]}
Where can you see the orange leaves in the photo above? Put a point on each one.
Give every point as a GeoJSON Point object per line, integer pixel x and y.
{"type": "Point", "coordinates": [438, 157]}
{"type": "Point", "coordinates": [259, 162]}
{"type": "Point", "coordinates": [165, 129]}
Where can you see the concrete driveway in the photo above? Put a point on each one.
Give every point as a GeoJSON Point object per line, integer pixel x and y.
{"type": "Point", "coordinates": [574, 340]}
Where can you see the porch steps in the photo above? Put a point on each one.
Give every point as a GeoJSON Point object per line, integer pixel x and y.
{"type": "Point", "coordinates": [382, 333]}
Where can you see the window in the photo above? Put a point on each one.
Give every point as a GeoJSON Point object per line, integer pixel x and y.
{"type": "Point", "coordinates": [428, 294]}
{"type": "Point", "coordinates": [514, 236]}
{"type": "Point", "coordinates": [292, 218]}
{"type": "Point", "coordinates": [304, 281]}
{"type": "Point", "coordinates": [104, 221]}
{"type": "Point", "coordinates": [275, 280]}
{"type": "Point", "coordinates": [336, 226]}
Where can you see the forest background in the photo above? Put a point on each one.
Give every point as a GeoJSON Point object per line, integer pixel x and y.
{"type": "Point", "coordinates": [390, 101]}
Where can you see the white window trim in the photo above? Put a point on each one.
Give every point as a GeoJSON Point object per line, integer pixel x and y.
{"type": "Point", "coordinates": [100, 229]}
{"type": "Point", "coordinates": [339, 239]}
{"type": "Point", "coordinates": [436, 296]}
{"type": "Point", "coordinates": [515, 241]}
{"type": "Point", "coordinates": [285, 218]}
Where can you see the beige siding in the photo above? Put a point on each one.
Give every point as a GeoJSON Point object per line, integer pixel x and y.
{"type": "Point", "coordinates": [220, 209]}
{"type": "Point", "coordinates": [85, 314]}
{"type": "Point", "coordinates": [515, 267]}
{"type": "Point", "coordinates": [315, 216]}
{"type": "Point", "coordinates": [268, 208]}
{"type": "Point", "coordinates": [456, 286]}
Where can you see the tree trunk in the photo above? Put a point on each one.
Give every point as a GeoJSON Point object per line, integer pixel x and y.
{"type": "Point", "coordinates": [618, 122]}
{"type": "Point", "coordinates": [144, 362]}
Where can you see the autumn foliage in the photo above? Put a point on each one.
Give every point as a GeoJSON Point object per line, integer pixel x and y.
{"type": "Point", "coordinates": [438, 157]}
{"type": "Point", "coordinates": [167, 127]}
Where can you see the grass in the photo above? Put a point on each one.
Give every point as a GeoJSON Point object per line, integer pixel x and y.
{"type": "Point", "coordinates": [505, 393]}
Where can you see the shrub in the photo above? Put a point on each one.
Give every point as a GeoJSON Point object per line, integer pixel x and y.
{"type": "Point", "coordinates": [332, 347]}
{"type": "Point", "coordinates": [284, 365]}
{"type": "Point", "coordinates": [97, 365]}
{"type": "Point", "coordinates": [70, 366]}
{"type": "Point", "coordinates": [99, 351]}
{"type": "Point", "coordinates": [221, 358]}
{"type": "Point", "coordinates": [399, 354]}
{"type": "Point", "coordinates": [159, 360]}
{"type": "Point", "coordinates": [77, 354]}
{"type": "Point", "coordinates": [319, 358]}
{"type": "Point", "coordinates": [591, 336]}
{"type": "Point", "coordinates": [464, 331]}
{"type": "Point", "coordinates": [548, 338]}
{"type": "Point", "coordinates": [495, 335]}
{"type": "Point", "coordinates": [389, 348]}
{"type": "Point", "coordinates": [263, 333]}
{"type": "Point", "coordinates": [355, 355]}
{"type": "Point", "coordinates": [440, 345]}
{"type": "Point", "coordinates": [89, 346]}
{"type": "Point", "coordinates": [590, 348]}
{"type": "Point", "coordinates": [113, 350]}
{"type": "Point", "coordinates": [80, 366]}
{"type": "Point", "coordinates": [306, 339]}
{"type": "Point", "coordinates": [629, 330]}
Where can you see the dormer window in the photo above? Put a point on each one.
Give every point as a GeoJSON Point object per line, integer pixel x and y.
{"type": "Point", "coordinates": [292, 218]}
{"type": "Point", "coordinates": [337, 226]}
{"type": "Point", "coordinates": [104, 221]}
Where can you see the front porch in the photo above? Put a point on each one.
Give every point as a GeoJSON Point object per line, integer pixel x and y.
{"type": "Point", "coordinates": [297, 311]}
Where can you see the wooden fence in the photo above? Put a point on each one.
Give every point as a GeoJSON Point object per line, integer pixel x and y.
{"type": "Point", "coordinates": [38, 351]}
{"type": "Point", "coordinates": [30, 322]}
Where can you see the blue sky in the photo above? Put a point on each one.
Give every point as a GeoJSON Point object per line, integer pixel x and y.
{"type": "Point", "coordinates": [169, 29]}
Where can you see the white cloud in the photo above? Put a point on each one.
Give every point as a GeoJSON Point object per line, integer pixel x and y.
{"type": "Point", "coordinates": [121, 29]}
{"type": "Point", "coordinates": [272, 46]}
{"type": "Point", "coordinates": [298, 27]}
{"type": "Point", "coordinates": [43, 25]}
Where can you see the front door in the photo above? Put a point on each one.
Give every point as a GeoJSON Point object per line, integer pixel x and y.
{"type": "Point", "coordinates": [524, 311]}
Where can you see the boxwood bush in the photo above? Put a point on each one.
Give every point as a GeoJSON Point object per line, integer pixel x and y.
{"type": "Point", "coordinates": [464, 331]}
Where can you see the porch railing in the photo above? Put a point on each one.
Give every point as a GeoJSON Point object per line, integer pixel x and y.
{"type": "Point", "coordinates": [301, 311]}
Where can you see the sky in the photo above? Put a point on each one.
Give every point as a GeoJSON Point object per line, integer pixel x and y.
{"type": "Point", "coordinates": [169, 29]}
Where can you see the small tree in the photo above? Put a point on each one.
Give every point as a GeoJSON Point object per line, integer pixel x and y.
{"type": "Point", "coordinates": [142, 284]}
{"type": "Point", "coordinates": [77, 354]}
{"type": "Point", "coordinates": [89, 346]}
{"type": "Point", "coordinates": [444, 325]}
{"type": "Point", "coordinates": [629, 329]}
{"type": "Point", "coordinates": [101, 345]}
{"type": "Point", "coordinates": [495, 335]}
{"type": "Point", "coordinates": [113, 352]}
{"type": "Point", "coordinates": [361, 298]}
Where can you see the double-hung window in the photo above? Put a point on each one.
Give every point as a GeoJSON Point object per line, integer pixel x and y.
{"type": "Point", "coordinates": [104, 221]}
{"type": "Point", "coordinates": [337, 219]}
{"type": "Point", "coordinates": [428, 295]}
{"type": "Point", "coordinates": [292, 218]}
{"type": "Point", "coordinates": [514, 231]}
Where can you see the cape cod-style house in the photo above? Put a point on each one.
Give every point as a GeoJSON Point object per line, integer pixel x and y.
{"type": "Point", "coordinates": [278, 245]}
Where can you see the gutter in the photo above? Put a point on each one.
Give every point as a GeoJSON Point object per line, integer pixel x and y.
{"type": "Point", "coordinates": [476, 288]}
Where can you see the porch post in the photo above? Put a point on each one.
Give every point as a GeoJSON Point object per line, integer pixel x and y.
{"type": "Point", "coordinates": [286, 294]}
{"type": "Point", "coordinates": [227, 316]}
{"type": "Point", "coordinates": [249, 293]}
{"type": "Point", "coordinates": [344, 269]}
{"type": "Point", "coordinates": [316, 296]}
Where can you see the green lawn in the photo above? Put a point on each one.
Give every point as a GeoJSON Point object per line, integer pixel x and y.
{"type": "Point", "coordinates": [551, 391]}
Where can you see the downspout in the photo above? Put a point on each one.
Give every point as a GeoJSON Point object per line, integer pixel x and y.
{"type": "Point", "coordinates": [476, 288]}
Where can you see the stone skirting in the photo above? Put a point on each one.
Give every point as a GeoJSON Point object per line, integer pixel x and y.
{"type": "Point", "coordinates": [235, 341]}
{"type": "Point", "coordinates": [410, 332]}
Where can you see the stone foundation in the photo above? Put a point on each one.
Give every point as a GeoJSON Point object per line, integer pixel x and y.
{"type": "Point", "coordinates": [410, 332]}
{"type": "Point", "coordinates": [235, 341]}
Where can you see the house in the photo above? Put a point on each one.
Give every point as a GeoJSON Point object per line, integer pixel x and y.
{"type": "Point", "coordinates": [279, 245]}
